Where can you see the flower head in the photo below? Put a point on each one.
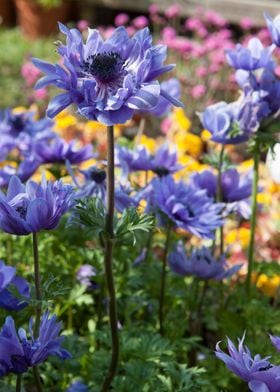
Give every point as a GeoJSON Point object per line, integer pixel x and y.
{"type": "Point", "coordinates": [251, 58]}
{"type": "Point", "coordinates": [85, 275]}
{"type": "Point", "coordinates": [77, 386]}
{"type": "Point", "coordinates": [18, 353]}
{"type": "Point", "coordinates": [200, 263]}
{"type": "Point", "coordinates": [273, 26]}
{"type": "Point", "coordinates": [235, 190]}
{"type": "Point", "coordinates": [107, 80]}
{"type": "Point", "coordinates": [8, 280]}
{"type": "Point", "coordinates": [33, 207]}
{"type": "Point", "coordinates": [184, 205]}
{"type": "Point", "coordinates": [258, 372]}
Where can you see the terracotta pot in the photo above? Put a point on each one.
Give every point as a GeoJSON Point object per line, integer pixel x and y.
{"type": "Point", "coordinates": [7, 13]}
{"type": "Point", "coordinates": [37, 21]}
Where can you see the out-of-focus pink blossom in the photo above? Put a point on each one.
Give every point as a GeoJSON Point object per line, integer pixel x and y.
{"type": "Point", "coordinates": [202, 32]}
{"type": "Point", "coordinates": [82, 25]}
{"type": "Point", "coordinates": [193, 24]}
{"type": "Point", "coordinates": [130, 30]}
{"type": "Point", "coordinates": [215, 83]}
{"type": "Point", "coordinates": [202, 71]}
{"type": "Point", "coordinates": [140, 22]}
{"type": "Point", "coordinates": [40, 94]}
{"type": "Point", "coordinates": [198, 91]}
{"type": "Point", "coordinates": [214, 18]}
{"type": "Point", "coordinates": [173, 11]}
{"type": "Point", "coordinates": [168, 33]}
{"type": "Point", "coordinates": [165, 125]}
{"type": "Point", "coordinates": [214, 68]}
{"type": "Point", "coordinates": [246, 23]}
{"type": "Point", "coordinates": [30, 73]}
{"type": "Point", "coordinates": [181, 44]}
{"type": "Point", "coordinates": [121, 19]}
{"type": "Point", "coordinates": [264, 36]}
{"type": "Point", "coordinates": [153, 9]}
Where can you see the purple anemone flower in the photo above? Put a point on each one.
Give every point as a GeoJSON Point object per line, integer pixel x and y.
{"type": "Point", "coordinates": [235, 189]}
{"type": "Point", "coordinates": [18, 353]}
{"type": "Point", "coordinates": [164, 162]}
{"type": "Point", "coordinates": [251, 58]}
{"type": "Point", "coordinates": [259, 373]}
{"type": "Point", "coordinates": [57, 150]}
{"type": "Point", "coordinates": [24, 171]}
{"type": "Point", "coordinates": [273, 26]}
{"type": "Point", "coordinates": [107, 80]}
{"type": "Point", "coordinates": [18, 130]}
{"type": "Point", "coordinates": [235, 122]}
{"type": "Point", "coordinates": [275, 340]}
{"type": "Point", "coordinates": [85, 275]}
{"type": "Point", "coordinates": [33, 207]}
{"type": "Point", "coordinates": [95, 185]}
{"type": "Point", "coordinates": [184, 205]}
{"type": "Point", "coordinates": [9, 280]}
{"type": "Point", "coordinates": [200, 263]}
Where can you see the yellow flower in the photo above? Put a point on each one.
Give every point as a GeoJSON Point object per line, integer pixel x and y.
{"type": "Point", "coordinates": [205, 135]}
{"type": "Point", "coordinates": [65, 120]}
{"type": "Point", "coordinates": [240, 235]}
{"type": "Point", "coordinates": [181, 119]}
{"type": "Point", "coordinates": [268, 285]}
{"type": "Point", "coordinates": [149, 143]}
{"type": "Point", "coordinates": [189, 143]}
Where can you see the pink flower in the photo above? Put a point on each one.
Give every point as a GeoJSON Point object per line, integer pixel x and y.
{"type": "Point", "coordinates": [30, 73]}
{"type": "Point", "coordinates": [202, 71]}
{"type": "Point", "coordinates": [246, 23]}
{"type": "Point", "coordinates": [82, 25]}
{"type": "Point", "coordinates": [40, 94]}
{"type": "Point", "coordinates": [140, 22]}
{"type": "Point", "coordinates": [121, 19]}
{"type": "Point", "coordinates": [130, 30]}
{"type": "Point", "coordinates": [173, 11]}
{"type": "Point", "coordinates": [153, 9]}
{"type": "Point", "coordinates": [215, 19]}
{"type": "Point", "coordinates": [198, 91]}
{"type": "Point", "coordinates": [165, 125]}
{"type": "Point", "coordinates": [168, 33]}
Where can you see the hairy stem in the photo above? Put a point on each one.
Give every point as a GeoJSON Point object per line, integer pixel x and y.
{"type": "Point", "coordinates": [18, 384]}
{"type": "Point", "coordinates": [253, 222]}
{"type": "Point", "coordinates": [219, 197]}
{"type": "Point", "coordinates": [38, 296]}
{"type": "Point", "coordinates": [163, 279]}
{"type": "Point", "coordinates": [109, 244]}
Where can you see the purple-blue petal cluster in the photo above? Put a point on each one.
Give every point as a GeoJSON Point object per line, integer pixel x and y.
{"type": "Point", "coordinates": [33, 207]}
{"type": "Point", "coordinates": [200, 263]}
{"type": "Point", "coordinates": [273, 26]}
{"type": "Point", "coordinates": [107, 79]}
{"type": "Point", "coordinates": [18, 352]}
{"type": "Point", "coordinates": [184, 205]}
{"type": "Point", "coordinates": [258, 372]}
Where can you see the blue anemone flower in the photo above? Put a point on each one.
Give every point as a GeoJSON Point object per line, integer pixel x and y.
{"type": "Point", "coordinates": [8, 280]}
{"type": "Point", "coordinates": [33, 207]}
{"type": "Point", "coordinates": [200, 263]}
{"type": "Point", "coordinates": [259, 373]}
{"type": "Point", "coordinates": [273, 26]}
{"type": "Point", "coordinates": [254, 57]}
{"type": "Point", "coordinates": [18, 352]}
{"type": "Point", "coordinates": [107, 80]}
{"type": "Point", "coordinates": [172, 87]}
{"type": "Point", "coordinates": [186, 206]}
{"type": "Point", "coordinates": [18, 130]}
{"type": "Point", "coordinates": [235, 189]}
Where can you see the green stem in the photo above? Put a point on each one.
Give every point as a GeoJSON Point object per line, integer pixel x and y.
{"type": "Point", "coordinates": [163, 280]}
{"type": "Point", "coordinates": [253, 222]}
{"type": "Point", "coordinates": [38, 296]}
{"type": "Point", "coordinates": [219, 197]}
{"type": "Point", "coordinates": [109, 244]}
{"type": "Point", "coordinates": [18, 384]}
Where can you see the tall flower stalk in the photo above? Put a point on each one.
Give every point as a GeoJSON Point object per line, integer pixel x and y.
{"type": "Point", "coordinates": [108, 258]}
{"type": "Point", "coordinates": [220, 194]}
{"type": "Point", "coordinates": [253, 222]}
{"type": "Point", "coordinates": [163, 280]}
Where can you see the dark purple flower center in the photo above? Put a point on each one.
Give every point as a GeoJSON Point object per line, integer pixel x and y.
{"type": "Point", "coordinates": [161, 171]}
{"type": "Point", "coordinates": [21, 210]}
{"type": "Point", "coordinates": [97, 175]}
{"type": "Point", "coordinates": [105, 67]}
{"type": "Point", "coordinates": [263, 369]}
{"type": "Point", "coordinates": [17, 122]}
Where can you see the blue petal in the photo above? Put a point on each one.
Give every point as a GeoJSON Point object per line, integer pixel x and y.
{"type": "Point", "coordinates": [58, 103]}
